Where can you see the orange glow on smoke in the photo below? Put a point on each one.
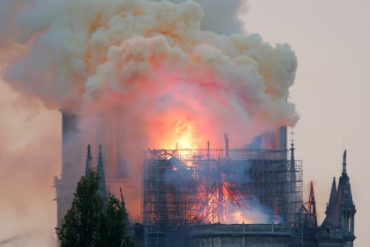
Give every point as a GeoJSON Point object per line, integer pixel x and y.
{"type": "Point", "coordinates": [181, 119]}
{"type": "Point", "coordinates": [175, 129]}
{"type": "Point", "coordinates": [182, 135]}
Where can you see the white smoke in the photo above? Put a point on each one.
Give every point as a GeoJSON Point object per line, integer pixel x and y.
{"type": "Point", "coordinates": [221, 16]}
{"type": "Point", "coordinates": [126, 48]}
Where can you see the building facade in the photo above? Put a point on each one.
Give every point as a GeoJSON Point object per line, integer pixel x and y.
{"type": "Point", "coordinates": [172, 206]}
{"type": "Point", "coordinates": [175, 185]}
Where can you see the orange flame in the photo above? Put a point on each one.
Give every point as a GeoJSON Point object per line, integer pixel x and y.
{"type": "Point", "coordinates": [238, 217]}
{"type": "Point", "coordinates": [175, 129]}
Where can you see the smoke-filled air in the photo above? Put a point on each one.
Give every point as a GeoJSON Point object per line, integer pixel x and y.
{"type": "Point", "coordinates": [170, 81]}
{"type": "Point", "coordinates": [151, 74]}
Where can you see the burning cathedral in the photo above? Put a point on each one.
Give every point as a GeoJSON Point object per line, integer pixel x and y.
{"type": "Point", "coordinates": [137, 74]}
{"type": "Point", "coordinates": [221, 197]}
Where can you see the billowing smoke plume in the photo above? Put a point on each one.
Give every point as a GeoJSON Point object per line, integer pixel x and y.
{"type": "Point", "coordinates": [149, 73]}
{"type": "Point", "coordinates": [151, 61]}
{"type": "Point", "coordinates": [221, 16]}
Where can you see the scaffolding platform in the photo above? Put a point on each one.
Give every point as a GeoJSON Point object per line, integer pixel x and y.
{"type": "Point", "coordinates": [190, 187]}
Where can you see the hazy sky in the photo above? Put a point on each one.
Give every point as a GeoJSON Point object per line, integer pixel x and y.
{"type": "Point", "coordinates": [331, 39]}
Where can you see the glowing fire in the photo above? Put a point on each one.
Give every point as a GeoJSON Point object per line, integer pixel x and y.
{"type": "Point", "coordinates": [184, 135]}
{"type": "Point", "coordinates": [223, 204]}
{"type": "Point", "coordinates": [237, 217]}
{"type": "Point", "coordinates": [176, 130]}
{"type": "Point", "coordinates": [221, 199]}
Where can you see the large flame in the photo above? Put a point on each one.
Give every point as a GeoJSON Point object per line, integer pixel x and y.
{"type": "Point", "coordinates": [238, 217]}
{"type": "Point", "coordinates": [175, 130]}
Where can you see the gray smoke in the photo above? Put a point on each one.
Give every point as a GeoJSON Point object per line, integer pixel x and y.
{"type": "Point", "coordinates": [221, 16]}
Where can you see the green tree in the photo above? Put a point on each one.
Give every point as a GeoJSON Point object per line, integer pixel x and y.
{"type": "Point", "coordinates": [114, 227]}
{"type": "Point", "coordinates": [91, 222]}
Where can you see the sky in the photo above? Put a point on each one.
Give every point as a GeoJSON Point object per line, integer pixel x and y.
{"type": "Point", "coordinates": [331, 40]}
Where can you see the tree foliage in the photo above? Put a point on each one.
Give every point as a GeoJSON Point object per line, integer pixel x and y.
{"type": "Point", "coordinates": [92, 222]}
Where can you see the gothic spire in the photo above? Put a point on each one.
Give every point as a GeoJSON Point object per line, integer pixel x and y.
{"type": "Point", "coordinates": [344, 171]}
{"type": "Point", "coordinates": [312, 204]}
{"type": "Point", "coordinates": [88, 160]}
{"type": "Point", "coordinates": [344, 201]}
{"type": "Point", "coordinates": [344, 186]}
{"type": "Point", "coordinates": [101, 175]}
{"type": "Point", "coordinates": [292, 149]}
{"type": "Point", "coordinates": [333, 194]}
{"type": "Point", "coordinates": [292, 162]}
{"type": "Point", "coordinates": [331, 205]}
{"type": "Point", "coordinates": [340, 210]}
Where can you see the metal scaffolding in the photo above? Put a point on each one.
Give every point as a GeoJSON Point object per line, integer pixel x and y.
{"type": "Point", "coordinates": [188, 187]}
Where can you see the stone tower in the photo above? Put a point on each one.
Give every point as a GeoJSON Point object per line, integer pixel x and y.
{"type": "Point", "coordinates": [72, 168]}
{"type": "Point", "coordinates": [338, 228]}
{"type": "Point", "coordinates": [74, 139]}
